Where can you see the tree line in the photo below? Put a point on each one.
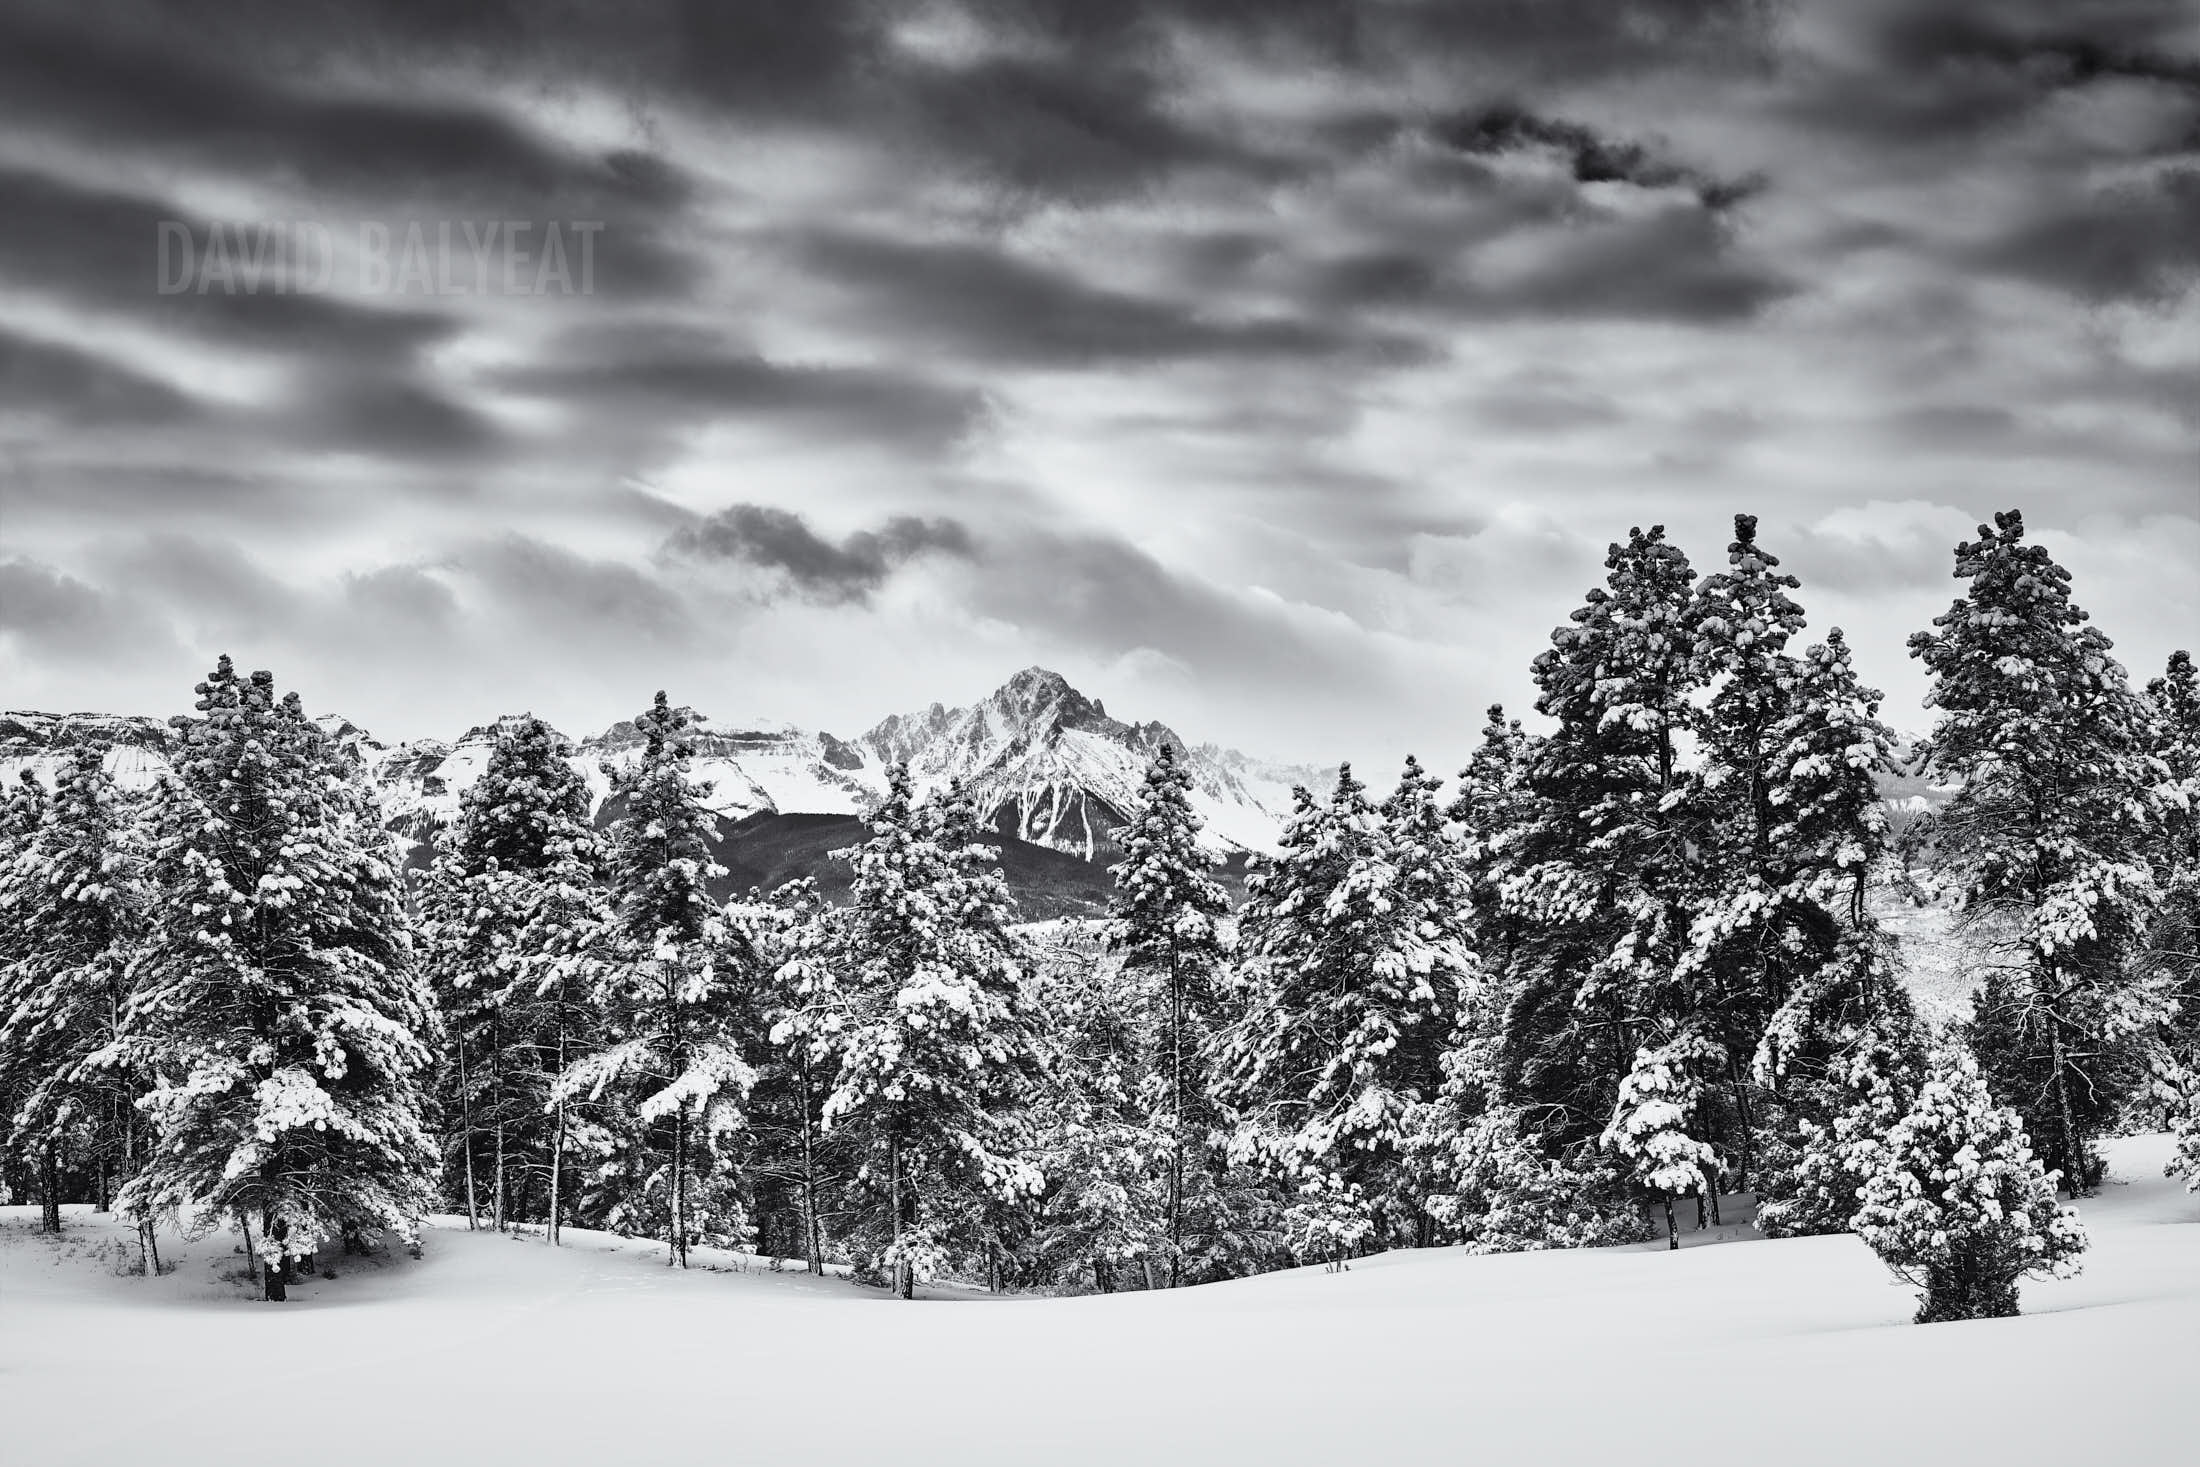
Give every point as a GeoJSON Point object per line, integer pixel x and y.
{"type": "Point", "coordinates": [1631, 961]}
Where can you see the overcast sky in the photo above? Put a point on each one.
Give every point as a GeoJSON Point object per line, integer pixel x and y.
{"type": "Point", "coordinates": [1277, 368]}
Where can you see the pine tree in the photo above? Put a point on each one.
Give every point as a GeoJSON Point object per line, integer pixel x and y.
{"type": "Point", "coordinates": [1100, 1135]}
{"type": "Point", "coordinates": [22, 807]}
{"type": "Point", "coordinates": [510, 917]}
{"type": "Point", "coordinates": [795, 1153]}
{"type": "Point", "coordinates": [274, 1004]}
{"type": "Point", "coordinates": [1166, 925]}
{"type": "Point", "coordinates": [1956, 1205]}
{"type": "Point", "coordinates": [2174, 941]}
{"type": "Point", "coordinates": [1355, 954]}
{"type": "Point", "coordinates": [1758, 933]}
{"type": "Point", "coordinates": [2049, 835]}
{"type": "Point", "coordinates": [74, 904]}
{"type": "Point", "coordinates": [1492, 813]}
{"type": "Point", "coordinates": [920, 1000]}
{"type": "Point", "coordinates": [1601, 876]}
{"type": "Point", "coordinates": [677, 977]}
{"type": "Point", "coordinates": [1653, 1126]}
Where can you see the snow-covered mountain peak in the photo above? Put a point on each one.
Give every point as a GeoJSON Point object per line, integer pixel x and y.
{"type": "Point", "coordinates": [1041, 758]}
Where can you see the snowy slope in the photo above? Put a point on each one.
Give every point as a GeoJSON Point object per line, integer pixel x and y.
{"type": "Point", "coordinates": [499, 1350]}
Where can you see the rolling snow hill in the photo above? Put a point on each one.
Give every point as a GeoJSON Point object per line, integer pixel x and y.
{"type": "Point", "coordinates": [495, 1349]}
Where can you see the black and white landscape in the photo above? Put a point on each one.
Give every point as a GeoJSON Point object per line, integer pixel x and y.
{"type": "Point", "coordinates": [1595, 853]}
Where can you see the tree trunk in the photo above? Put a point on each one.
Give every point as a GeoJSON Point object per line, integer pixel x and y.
{"type": "Point", "coordinates": [557, 1139]}
{"type": "Point", "coordinates": [500, 1213]}
{"type": "Point", "coordinates": [2073, 1149]}
{"type": "Point", "coordinates": [277, 1274]}
{"type": "Point", "coordinates": [1741, 1110]}
{"type": "Point", "coordinates": [148, 1248]}
{"type": "Point", "coordinates": [904, 1284]}
{"type": "Point", "coordinates": [813, 1252]}
{"type": "Point", "coordinates": [679, 1189]}
{"type": "Point", "coordinates": [557, 1176]}
{"type": "Point", "coordinates": [1176, 1116]}
{"type": "Point", "coordinates": [1672, 1232]}
{"type": "Point", "coordinates": [466, 1134]}
{"type": "Point", "coordinates": [49, 1190]}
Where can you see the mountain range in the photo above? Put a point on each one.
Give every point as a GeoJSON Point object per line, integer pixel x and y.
{"type": "Point", "coordinates": [1052, 770]}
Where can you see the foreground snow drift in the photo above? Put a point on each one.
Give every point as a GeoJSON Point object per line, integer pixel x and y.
{"type": "Point", "coordinates": [498, 1350]}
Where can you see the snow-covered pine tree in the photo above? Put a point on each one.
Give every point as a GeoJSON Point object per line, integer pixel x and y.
{"type": "Point", "coordinates": [930, 1028]}
{"type": "Point", "coordinates": [2174, 943]}
{"type": "Point", "coordinates": [511, 916]}
{"type": "Point", "coordinates": [1654, 1125]}
{"type": "Point", "coordinates": [274, 1004]}
{"type": "Point", "coordinates": [22, 806]}
{"type": "Point", "coordinates": [1166, 926]}
{"type": "Point", "coordinates": [1355, 953]}
{"type": "Point", "coordinates": [1492, 810]}
{"type": "Point", "coordinates": [1830, 825]}
{"type": "Point", "coordinates": [1822, 1060]}
{"type": "Point", "coordinates": [1955, 1203]}
{"type": "Point", "coordinates": [1501, 1182]}
{"type": "Point", "coordinates": [797, 1170]}
{"type": "Point", "coordinates": [1598, 882]}
{"type": "Point", "coordinates": [73, 903]}
{"type": "Point", "coordinates": [1757, 934]}
{"type": "Point", "coordinates": [1099, 1137]}
{"type": "Point", "coordinates": [2048, 837]}
{"type": "Point", "coordinates": [676, 979]}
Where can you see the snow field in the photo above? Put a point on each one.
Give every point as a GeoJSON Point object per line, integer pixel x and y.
{"type": "Point", "coordinates": [498, 1349]}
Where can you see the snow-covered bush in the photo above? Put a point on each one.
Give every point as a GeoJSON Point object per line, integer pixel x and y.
{"type": "Point", "coordinates": [1956, 1204]}
{"type": "Point", "coordinates": [1650, 1127]}
{"type": "Point", "coordinates": [1811, 1187]}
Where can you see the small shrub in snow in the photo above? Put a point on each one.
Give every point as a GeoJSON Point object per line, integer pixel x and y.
{"type": "Point", "coordinates": [1956, 1204]}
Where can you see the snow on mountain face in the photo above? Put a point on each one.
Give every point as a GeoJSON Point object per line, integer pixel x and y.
{"type": "Point", "coordinates": [1038, 756]}
{"type": "Point", "coordinates": [32, 742]}
{"type": "Point", "coordinates": [1053, 768]}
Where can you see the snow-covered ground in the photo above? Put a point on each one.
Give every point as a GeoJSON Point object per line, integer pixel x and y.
{"type": "Point", "coordinates": [494, 1350]}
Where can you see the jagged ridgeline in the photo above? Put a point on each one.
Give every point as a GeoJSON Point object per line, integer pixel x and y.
{"type": "Point", "coordinates": [1046, 765]}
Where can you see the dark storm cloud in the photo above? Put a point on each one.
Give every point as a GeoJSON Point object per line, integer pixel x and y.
{"type": "Point", "coordinates": [1592, 158]}
{"type": "Point", "coordinates": [1104, 596]}
{"type": "Point", "coordinates": [68, 387]}
{"type": "Point", "coordinates": [213, 587]}
{"type": "Point", "coordinates": [50, 612]}
{"type": "Point", "coordinates": [675, 373]}
{"type": "Point", "coordinates": [102, 250]}
{"type": "Point", "coordinates": [1062, 127]}
{"type": "Point", "coordinates": [553, 591]}
{"type": "Point", "coordinates": [108, 86]}
{"type": "Point", "coordinates": [780, 540]}
{"type": "Point", "coordinates": [986, 303]}
{"type": "Point", "coordinates": [384, 416]}
{"type": "Point", "coordinates": [403, 595]}
{"type": "Point", "coordinates": [1927, 75]}
{"type": "Point", "coordinates": [52, 484]}
{"type": "Point", "coordinates": [2126, 241]}
{"type": "Point", "coordinates": [1679, 263]}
